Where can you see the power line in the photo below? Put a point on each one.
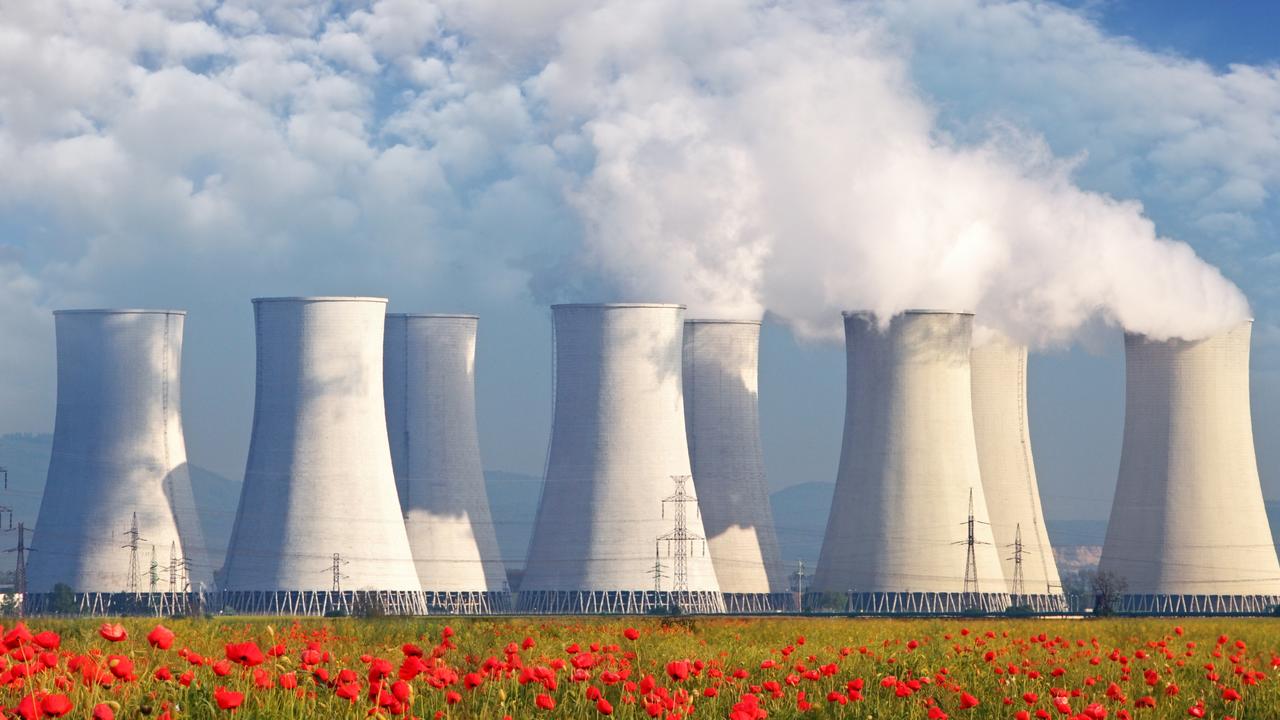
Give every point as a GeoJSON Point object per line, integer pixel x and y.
{"type": "Point", "coordinates": [971, 590]}
{"type": "Point", "coordinates": [1017, 584]}
{"type": "Point", "coordinates": [154, 572]}
{"type": "Point", "coordinates": [132, 545]}
{"type": "Point", "coordinates": [679, 536]}
{"type": "Point", "coordinates": [336, 569]}
{"type": "Point", "coordinates": [657, 572]}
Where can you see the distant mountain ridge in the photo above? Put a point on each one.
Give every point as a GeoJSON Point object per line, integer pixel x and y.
{"type": "Point", "coordinates": [800, 511]}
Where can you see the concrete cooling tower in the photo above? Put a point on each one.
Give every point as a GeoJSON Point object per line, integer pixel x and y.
{"type": "Point", "coordinates": [319, 525]}
{"type": "Point", "coordinates": [429, 376]}
{"type": "Point", "coordinates": [1188, 530]}
{"type": "Point", "coordinates": [119, 465]}
{"type": "Point", "coordinates": [1001, 428]}
{"type": "Point", "coordinates": [722, 419]}
{"type": "Point", "coordinates": [908, 528]}
{"type": "Point", "coordinates": [617, 504]}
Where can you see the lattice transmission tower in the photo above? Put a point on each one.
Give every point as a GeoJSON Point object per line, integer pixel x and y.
{"type": "Point", "coordinates": [1018, 585]}
{"type": "Point", "coordinates": [971, 589]}
{"type": "Point", "coordinates": [336, 570]}
{"type": "Point", "coordinates": [680, 541]}
{"type": "Point", "coordinates": [134, 538]}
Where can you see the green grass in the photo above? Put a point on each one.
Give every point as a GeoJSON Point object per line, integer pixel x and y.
{"type": "Point", "coordinates": [1088, 657]}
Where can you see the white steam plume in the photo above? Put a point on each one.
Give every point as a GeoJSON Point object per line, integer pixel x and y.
{"type": "Point", "coordinates": [773, 156]}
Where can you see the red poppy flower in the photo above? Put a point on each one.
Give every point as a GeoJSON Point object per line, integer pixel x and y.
{"type": "Point", "coordinates": [227, 699]}
{"type": "Point", "coordinates": [114, 632]}
{"type": "Point", "coordinates": [103, 711]}
{"type": "Point", "coordinates": [631, 634]}
{"type": "Point", "coordinates": [161, 637]}
{"type": "Point", "coordinates": [120, 666]}
{"type": "Point", "coordinates": [48, 640]}
{"type": "Point", "coordinates": [545, 702]}
{"type": "Point", "coordinates": [56, 705]}
{"type": "Point", "coordinates": [246, 653]}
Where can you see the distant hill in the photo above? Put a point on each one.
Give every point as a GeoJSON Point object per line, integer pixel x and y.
{"type": "Point", "coordinates": [800, 511]}
{"type": "Point", "coordinates": [513, 502]}
{"type": "Point", "coordinates": [26, 456]}
{"type": "Point", "coordinates": [1067, 533]}
{"type": "Point", "coordinates": [217, 498]}
{"type": "Point", "coordinates": [800, 518]}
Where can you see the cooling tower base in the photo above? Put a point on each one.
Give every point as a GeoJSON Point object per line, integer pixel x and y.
{"type": "Point", "coordinates": [1198, 604]}
{"type": "Point", "coordinates": [321, 603]}
{"type": "Point", "coordinates": [475, 602]}
{"type": "Point", "coordinates": [907, 603]}
{"type": "Point", "coordinates": [618, 602]}
{"type": "Point", "coordinates": [755, 603]}
{"type": "Point", "coordinates": [166, 604]}
{"type": "Point", "coordinates": [1040, 603]}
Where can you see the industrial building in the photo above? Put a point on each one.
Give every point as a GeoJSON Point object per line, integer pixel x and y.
{"type": "Point", "coordinates": [118, 491]}
{"type": "Point", "coordinates": [722, 419]}
{"type": "Point", "coordinates": [1188, 530]}
{"type": "Point", "coordinates": [618, 528]}
{"type": "Point", "coordinates": [429, 366]}
{"type": "Point", "coordinates": [908, 530]}
{"type": "Point", "coordinates": [998, 370]}
{"type": "Point", "coordinates": [319, 527]}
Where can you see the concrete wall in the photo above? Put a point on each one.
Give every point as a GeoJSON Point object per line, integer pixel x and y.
{"type": "Point", "coordinates": [1188, 516]}
{"type": "Point", "coordinates": [1003, 434]}
{"type": "Point", "coordinates": [722, 417]}
{"type": "Point", "coordinates": [908, 463]}
{"type": "Point", "coordinates": [319, 478]}
{"type": "Point", "coordinates": [429, 376]}
{"type": "Point", "coordinates": [118, 449]}
{"type": "Point", "coordinates": [618, 435]}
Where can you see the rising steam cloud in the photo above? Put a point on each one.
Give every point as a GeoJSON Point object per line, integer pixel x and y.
{"type": "Point", "coordinates": [740, 156]}
{"type": "Point", "coordinates": [749, 157]}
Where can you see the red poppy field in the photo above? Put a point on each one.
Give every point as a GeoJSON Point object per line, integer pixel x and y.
{"type": "Point", "coordinates": [640, 668]}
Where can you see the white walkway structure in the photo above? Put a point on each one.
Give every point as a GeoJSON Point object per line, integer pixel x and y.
{"type": "Point", "coordinates": [897, 538]}
{"type": "Point", "coordinates": [319, 526]}
{"type": "Point", "coordinates": [119, 463]}
{"type": "Point", "coordinates": [429, 366]}
{"type": "Point", "coordinates": [1188, 530]}
{"type": "Point", "coordinates": [722, 416]}
{"type": "Point", "coordinates": [617, 441]}
{"type": "Point", "coordinates": [1003, 433]}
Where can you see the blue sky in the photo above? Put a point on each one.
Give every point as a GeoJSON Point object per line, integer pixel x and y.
{"type": "Point", "coordinates": [1236, 31]}
{"type": "Point", "coordinates": [1031, 161]}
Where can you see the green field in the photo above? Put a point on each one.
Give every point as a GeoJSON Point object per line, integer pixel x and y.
{"type": "Point", "coordinates": [705, 668]}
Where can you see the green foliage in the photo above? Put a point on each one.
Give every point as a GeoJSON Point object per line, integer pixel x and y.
{"type": "Point", "coordinates": [766, 649]}
{"type": "Point", "coordinates": [62, 600]}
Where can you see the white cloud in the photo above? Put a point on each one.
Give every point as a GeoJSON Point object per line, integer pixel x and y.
{"type": "Point", "coordinates": [801, 157]}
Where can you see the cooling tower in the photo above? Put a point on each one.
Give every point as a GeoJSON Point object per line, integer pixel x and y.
{"type": "Point", "coordinates": [616, 504]}
{"type": "Point", "coordinates": [1188, 530]}
{"type": "Point", "coordinates": [429, 376]}
{"type": "Point", "coordinates": [998, 369]}
{"type": "Point", "coordinates": [319, 525]}
{"type": "Point", "coordinates": [722, 419]}
{"type": "Point", "coordinates": [909, 493]}
{"type": "Point", "coordinates": [118, 453]}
